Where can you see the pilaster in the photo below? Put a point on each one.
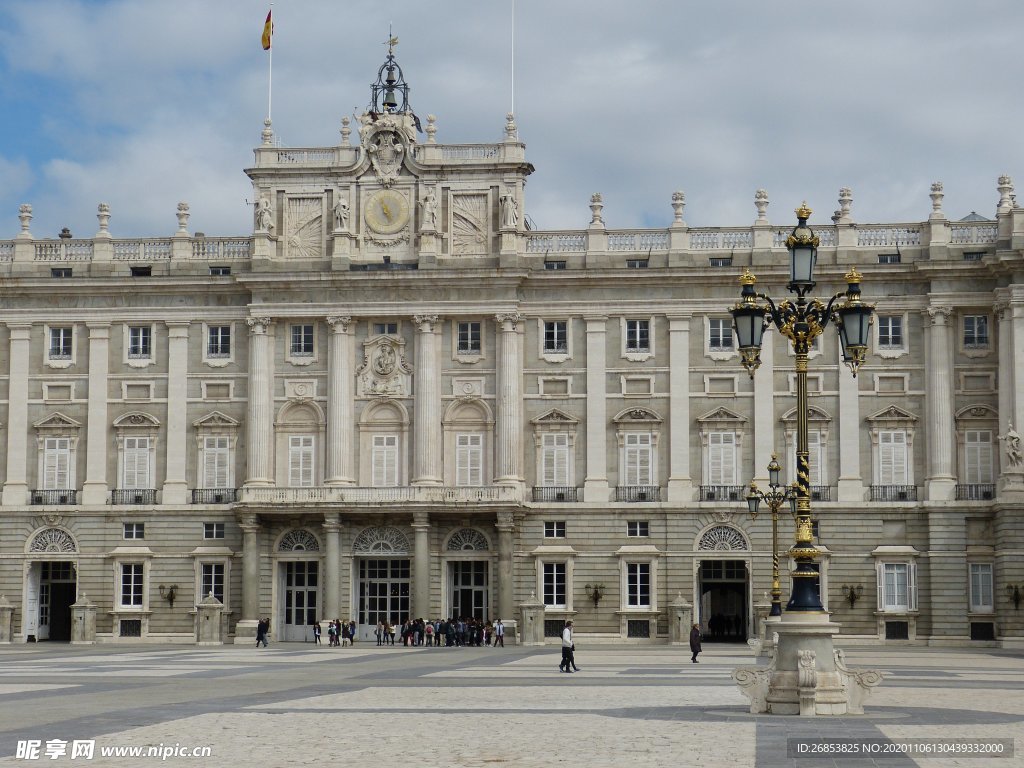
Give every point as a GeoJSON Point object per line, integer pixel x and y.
{"type": "Point", "coordinates": [595, 485]}
{"type": "Point", "coordinates": [506, 527]}
{"type": "Point", "coordinates": [764, 413]}
{"type": "Point", "coordinates": [940, 482]}
{"type": "Point", "coordinates": [94, 489]}
{"type": "Point", "coordinates": [259, 426]}
{"type": "Point", "coordinates": [332, 579]}
{"type": "Point", "coordinates": [680, 484]}
{"type": "Point", "coordinates": [175, 490]}
{"type": "Point", "coordinates": [340, 469]}
{"type": "Point", "coordinates": [508, 442]}
{"type": "Point", "coordinates": [850, 486]}
{"type": "Point", "coordinates": [421, 565]}
{"type": "Point", "coordinates": [427, 448]}
{"type": "Point", "coordinates": [16, 487]}
{"type": "Point", "coordinates": [245, 630]}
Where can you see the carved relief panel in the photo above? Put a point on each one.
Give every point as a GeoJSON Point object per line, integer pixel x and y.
{"type": "Point", "coordinates": [470, 224]}
{"type": "Point", "coordinates": [304, 227]}
{"type": "Point", "coordinates": [384, 371]}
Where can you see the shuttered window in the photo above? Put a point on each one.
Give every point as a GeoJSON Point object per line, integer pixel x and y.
{"type": "Point", "coordinates": [555, 459]}
{"type": "Point", "coordinates": [978, 456]}
{"type": "Point", "coordinates": [216, 455]}
{"type": "Point", "coordinates": [892, 458]}
{"type": "Point", "coordinates": [300, 461]}
{"type": "Point", "coordinates": [639, 449]}
{"type": "Point", "coordinates": [57, 463]}
{"type": "Point", "coordinates": [385, 461]}
{"type": "Point", "coordinates": [136, 463]}
{"type": "Point", "coordinates": [722, 458]}
{"type": "Point", "coordinates": [469, 456]}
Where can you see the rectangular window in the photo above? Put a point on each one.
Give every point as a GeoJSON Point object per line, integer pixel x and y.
{"type": "Point", "coordinates": [636, 263]}
{"type": "Point", "coordinates": [220, 271]}
{"type": "Point", "coordinates": [638, 585]}
{"type": "Point", "coordinates": [639, 453]}
{"type": "Point", "coordinates": [60, 343]}
{"type": "Point", "coordinates": [140, 342]}
{"type": "Point", "coordinates": [135, 530]}
{"type": "Point", "coordinates": [721, 458]}
{"type": "Point", "coordinates": [892, 458]}
{"type": "Point", "coordinates": [556, 336]}
{"type": "Point", "coordinates": [385, 461]}
{"type": "Point", "coordinates": [554, 529]}
{"type": "Point", "coordinates": [136, 463]}
{"type": "Point", "coordinates": [213, 530]}
{"type": "Point", "coordinates": [131, 584]}
{"type": "Point", "coordinates": [469, 338]}
{"type": "Point", "coordinates": [554, 585]}
{"type": "Point", "coordinates": [890, 331]}
{"type": "Point", "coordinates": [300, 461]}
{"type": "Point", "coordinates": [981, 588]}
{"type": "Point", "coordinates": [60, 272]}
{"type": "Point", "coordinates": [638, 528]}
{"type": "Point", "coordinates": [57, 463]}
{"type": "Point", "coordinates": [385, 329]}
{"type": "Point", "coordinates": [213, 581]}
{"type": "Point", "coordinates": [554, 448]}
{"type": "Point", "coordinates": [302, 340]}
{"type": "Point", "coordinates": [216, 462]}
{"type": "Point", "coordinates": [554, 265]}
{"type": "Point", "coordinates": [720, 329]}
{"type": "Point", "coordinates": [218, 341]}
{"type": "Point", "coordinates": [141, 271]}
{"type": "Point", "coordinates": [976, 332]}
{"type": "Point", "coordinates": [978, 456]}
{"type": "Point", "coordinates": [896, 586]}
{"type": "Point", "coordinates": [638, 335]}
{"type": "Point", "coordinates": [888, 258]}
{"type": "Point", "coordinates": [469, 457]}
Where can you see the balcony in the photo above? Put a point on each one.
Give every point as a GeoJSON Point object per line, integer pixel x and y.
{"type": "Point", "coordinates": [723, 492]}
{"type": "Point", "coordinates": [433, 494]}
{"type": "Point", "coordinates": [133, 496]}
{"type": "Point", "coordinates": [975, 492]}
{"type": "Point", "coordinates": [893, 493]}
{"type": "Point", "coordinates": [214, 495]}
{"type": "Point", "coordinates": [49, 496]}
{"type": "Point", "coordinates": [638, 493]}
{"type": "Point", "coordinates": [554, 493]}
{"type": "Point", "coordinates": [821, 493]}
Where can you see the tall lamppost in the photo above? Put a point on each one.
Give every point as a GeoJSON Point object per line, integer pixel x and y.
{"type": "Point", "coordinates": [802, 321]}
{"type": "Point", "coordinates": [774, 498]}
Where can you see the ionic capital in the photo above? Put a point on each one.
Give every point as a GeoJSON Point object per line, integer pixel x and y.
{"type": "Point", "coordinates": [258, 325]}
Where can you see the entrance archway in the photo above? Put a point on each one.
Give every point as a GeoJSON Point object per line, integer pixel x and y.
{"type": "Point", "coordinates": [383, 575]}
{"type": "Point", "coordinates": [723, 584]}
{"type": "Point", "coordinates": [51, 585]}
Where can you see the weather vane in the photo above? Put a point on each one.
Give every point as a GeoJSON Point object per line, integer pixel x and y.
{"type": "Point", "coordinates": [392, 41]}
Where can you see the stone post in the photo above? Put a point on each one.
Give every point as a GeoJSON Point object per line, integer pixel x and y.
{"type": "Point", "coordinates": [680, 483]}
{"type": "Point", "coordinates": [6, 620]}
{"type": "Point", "coordinates": [16, 485]}
{"type": "Point", "coordinates": [83, 621]}
{"type": "Point", "coordinates": [531, 630]}
{"type": "Point", "coordinates": [175, 490]}
{"type": "Point", "coordinates": [245, 629]}
{"type": "Point", "coordinates": [595, 485]}
{"type": "Point", "coordinates": [940, 481]}
{"type": "Point", "coordinates": [506, 525]}
{"type": "Point", "coordinates": [259, 427]}
{"type": "Point", "coordinates": [421, 565]}
{"type": "Point", "coordinates": [680, 619]}
{"type": "Point", "coordinates": [340, 448]}
{"type": "Point", "coordinates": [94, 489]}
{"type": "Point", "coordinates": [332, 579]}
{"type": "Point", "coordinates": [427, 447]}
{"type": "Point", "coordinates": [508, 447]}
{"type": "Point", "coordinates": [208, 621]}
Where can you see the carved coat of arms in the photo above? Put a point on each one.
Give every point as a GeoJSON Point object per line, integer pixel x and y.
{"type": "Point", "coordinates": [384, 371]}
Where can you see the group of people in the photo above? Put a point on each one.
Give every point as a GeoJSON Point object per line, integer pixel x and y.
{"type": "Point", "coordinates": [439, 633]}
{"type": "Point", "coordinates": [722, 627]}
{"type": "Point", "coordinates": [339, 633]}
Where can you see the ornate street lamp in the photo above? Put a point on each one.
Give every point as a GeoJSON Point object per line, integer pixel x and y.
{"type": "Point", "coordinates": [774, 498]}
{"type": "Point", "coordinates": [802, 321]}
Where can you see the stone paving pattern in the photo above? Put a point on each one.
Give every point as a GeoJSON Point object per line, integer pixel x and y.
{"type": "Point", "coordinates": [293, 704]}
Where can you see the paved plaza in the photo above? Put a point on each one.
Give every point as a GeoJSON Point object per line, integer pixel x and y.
{"type": "Point", "coordinates": [295, 704]}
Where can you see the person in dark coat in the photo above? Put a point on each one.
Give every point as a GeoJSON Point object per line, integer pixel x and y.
{"type": "Point", "coordinates": [262, 628]}
{"type": "Point", "coordinates": [695, 642]}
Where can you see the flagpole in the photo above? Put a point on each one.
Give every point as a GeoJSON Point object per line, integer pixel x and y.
{"type": "Point", "coordinates": [513, 109]}
{"type": "Point", "coordinates": [270, 65]}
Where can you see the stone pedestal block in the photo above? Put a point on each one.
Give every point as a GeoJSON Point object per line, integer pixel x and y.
{"type": "Point", "coordinates": [83, 621]}
{"type": "Point", "coordinates": [532, 629]}
{"type": "Point", "coordinates": [245, 632]}
{"type": "Point", "coordinates": [761, 642]}
{"type": "Point", "coordinates": [6, 620]}
{"type": "Point", "coordinates": [208, 621]}
{"type": "Point", "coordinates": [680, 619]}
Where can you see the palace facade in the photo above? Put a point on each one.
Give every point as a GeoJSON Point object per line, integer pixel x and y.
{"type": "Point", "coordinates": [394, 398]}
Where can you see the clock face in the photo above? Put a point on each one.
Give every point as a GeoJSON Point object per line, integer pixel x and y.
{"type": "Point", "coordinates": [386, 212]}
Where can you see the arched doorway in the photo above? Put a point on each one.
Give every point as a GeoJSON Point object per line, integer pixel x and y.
{"type": "Point", "coordinates": [383, 575]}
{"type": "Point", "coordinates": [467, 553]}
{"type": "Point", "coordinates": [51, 585]}
{"type": "Point", "coordinates": [723, 584]}
{"type": "Point", "coordinates": [298, 585]}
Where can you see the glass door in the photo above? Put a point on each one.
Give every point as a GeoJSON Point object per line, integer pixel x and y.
{"type": "Point", "coordinates": [301, 589]}
{"type": "Point", "coordinates": [384, 588]}
{"type": "Point", "coordinates": [469, 589]}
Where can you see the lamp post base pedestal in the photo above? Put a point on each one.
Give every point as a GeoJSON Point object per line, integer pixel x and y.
{"type": "Point", "coordinates": [806, 676]}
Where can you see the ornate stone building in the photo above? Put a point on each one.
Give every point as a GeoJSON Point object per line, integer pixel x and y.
{"type": "Point", "coordinates": [395, 398]}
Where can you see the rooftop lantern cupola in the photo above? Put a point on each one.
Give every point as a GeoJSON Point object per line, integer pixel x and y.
{"type": "Point", "coordinates": [390, 93]}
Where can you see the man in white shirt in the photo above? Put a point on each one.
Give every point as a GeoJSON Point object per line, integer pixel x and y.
{"type": "Point", "coordinates": [568, 650]}
{"type": "Point", "coordinates": [499, 634]}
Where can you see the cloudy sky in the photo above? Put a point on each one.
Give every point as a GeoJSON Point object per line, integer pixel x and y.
{"type": "Point", "coordinates": [142, 103]}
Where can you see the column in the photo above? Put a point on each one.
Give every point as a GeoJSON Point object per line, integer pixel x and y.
{"type": "Point", "coordinates": [680, 484]}
{"type": "Point", "coordinates": [595, 485]}
{"type": "Point", "coordinates": [1006, 374]}
{"type": "Point", "coordinates": [427, 447]}
{"type": "Point", "coordinates": [340, 403]}
{"type": "Point", "coordinates": [421, 565]}
{"type": "Point", "coordinates": [506, 526]}
{"type": "Point", "coordinates": [332, 579]}
{"type": "Point", "coordinates": [94, 489]}
{"type": "Point", "coordinates": [175, 489]}
{"type": "Point", "coordinates": [245, 630]}
{"type": "Point", "coordinates": [260, 418]}
{"type": "Point", "coordinates": [16, 487]}
{"type": "Point", "coordinates": [764, 418]}
{"type": "Point", "coordinates": [850, 486]}
{"type": "Point", "coordinates": [1017, 349]}
{"type": "Point", "coordinates": [508, 442]}
{"type": "Point", "coordinates": [939, 480]}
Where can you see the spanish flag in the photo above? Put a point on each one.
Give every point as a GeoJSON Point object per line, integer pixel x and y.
{"type": "Point", "coordinates": [268, 30]}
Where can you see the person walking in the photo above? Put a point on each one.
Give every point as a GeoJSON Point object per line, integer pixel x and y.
{"type": "Point", "coordinates": [262, 627]}
{"type": "Point", "coordinates": [499, 634]}
{"type": "Point", "coordinates": [695, 642]}
{"type": "Point", "coordinates": [568, 650]}
{"type": "Point", "coordinates": [316, 633]}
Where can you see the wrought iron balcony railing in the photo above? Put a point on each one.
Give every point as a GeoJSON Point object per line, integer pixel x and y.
{"type": "Point", "coordinates": [213, 495]}
{"type": "Point", "coordinates": [133, 496]}
{"type": "Point", "coordinates": [638, 493]}
{"type": "Point", "coordinates": [975, 491]}
{"type": "Point", "coordinates": [821, 493]}
{"type": "Point", "coordinates": [723, 492]}
{"type": "Point", "coordinates": [893, 493]}
{"type": "Point", "coordinates": [51, 496]}
{"type": "Point", "coordinates": [554, 493]}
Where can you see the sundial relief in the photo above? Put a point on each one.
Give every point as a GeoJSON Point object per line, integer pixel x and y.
{"type": "Point", "coordinates": [304, 227]}
{"type": "Point", "coordinates": [469, 225]}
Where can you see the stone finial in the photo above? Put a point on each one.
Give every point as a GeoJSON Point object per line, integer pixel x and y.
{"type": "Point", "coordinates": [845, 201]}
{"type": "Point", "coordinates": [596, 206]}
{"type": "Point", "coordinates": [678, 204]}
{"type": "Point", "coordinates": [103, 216]}
{"type": "Point", "coordinates": [936, 195]}
{"type": "Point", "coordinates": [4, 602]}
{"type": "Point", "coordinates": [431, 129]}
{"type": "Point", "coordinates": [511, 131]}
{"type": "Point", "coordinates": [267, 134]}
{"type": "Point", "coordinates": [1005, 188]}
{"type": "Point", "coordinates": [346, 131]}
{"type": "Point", "coordinates": [25, 216]}
{"type": "Point", "coordinates": [183, 215]}
{"type": "Point", "coordinates": [761, 203]}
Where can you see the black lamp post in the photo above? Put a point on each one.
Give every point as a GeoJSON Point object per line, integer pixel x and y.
{"type": "Point", "coordinates": [802, 321]}
{"type": "Point", "coordinates": [774, 498]}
